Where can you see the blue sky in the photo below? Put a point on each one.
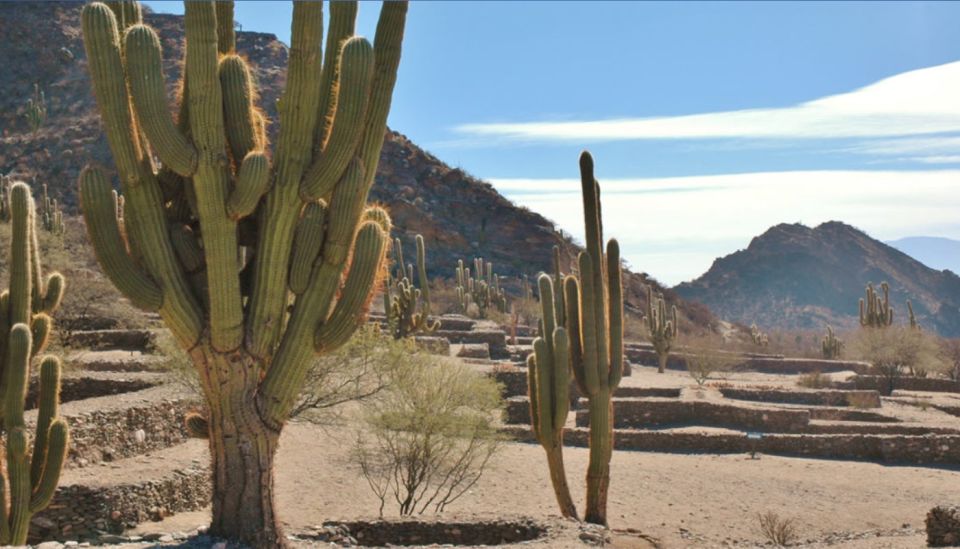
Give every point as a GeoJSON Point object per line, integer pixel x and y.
{"type": "Point", "coordinates": [709, 122]}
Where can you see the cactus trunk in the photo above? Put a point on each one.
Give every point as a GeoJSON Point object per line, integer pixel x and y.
{"type": "Point", "coordinates": [558, 478]}
{"type": "Point", "coordinates": [601, 450]}
{"type": "Point", "coordinates": [662, 363]}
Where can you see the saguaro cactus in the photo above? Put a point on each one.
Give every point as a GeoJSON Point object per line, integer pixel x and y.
{"type": "Point", "coordinates": [663, 329]}
{"type": "Point", "coordinates": [548, 383]}
{"type": "Point", "coordinates": [594, 301]}
{"type": "Point", "coordinates": [255, 261]}
{"type": "Point", "coordinates": [480, 287]}
{"type": "Point", "coordinates": [758, 336]}
{"type": "Point", "coordinates": [914, 323]}
{"type": "Point", "coordinates": [51, 217]}
{"type": "Point", "coordinates": [406, 306]}
{"type": "Point", "coordinates": [876, 312]}
{"type": "Point", "coordinates": [36, 111]}
{"type": "Point", "coordinates": [831, 345]}
{"type": "Point", "coordinates": [30, 477]}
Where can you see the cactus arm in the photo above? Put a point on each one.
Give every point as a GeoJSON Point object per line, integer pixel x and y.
{"type": "Point", "coordinates": [21, 260]}
{"type": "Point", "coordinates": [615, 310]}
{"type": "Point", "coordinates": [211, 179]}
{"type": "Point", "coordinates": [148, 92]}
{"type": "Point", "coordinates": [571, 291]}
{"type": "Point", "coordinates": [54, 294]}
{"type": "Point", "coordinates": [127, 13]}
{"type": "Point", "coordinates": [40, 332]}
{"type": "Point", "coordinates": [593, 238]}
{"type": "Point", "coordinates": [18, 471]}
{"type": "Point", "coordinates": [4, 510]}
{"type": "Point", "coordinates": [187, 248]}
{"type": "Point", "coordinates": [238, 106]}
{"type": "Point", "coordinates": [269, 297]}
{"type": "Point", "coordinates": [99, 212]}
{"type": "Point", "coordinates": [533, 392]}
{"type": "Point", "coordinates": [253, 177]}
{"type": "Point", "coordinates": [56, 454]}
{"type": "Point", "coordinates": [591, 338]}
{"type": "Point", "coordinates": [343, 16]}
{"type": "Point", "coordinates": [16, 374]}
{"type": "Point", "coordinates": [356, 77]}
{"type": "Point", "coordinates": [48, 410]}
{"type": "Point", "coordinates": [306, 245]}
{"type": "Point", "coordinates": [226, 36]}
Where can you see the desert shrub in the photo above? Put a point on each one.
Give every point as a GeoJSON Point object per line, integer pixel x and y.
{"type": "Point", "coordinates": [896, 351]}
{"type": "Point", "coordinates": [430, 435]}
{"type": "Point", "coordinates": [815, 380]}
{"type": "Point", "coordinates": [860, 401]}
{"type": "Point", "coordinates": [950, 352]}
{"type": "Point", "coordinates": [777, 530]}
{"type": "Point", "coordinates": [704, 362]}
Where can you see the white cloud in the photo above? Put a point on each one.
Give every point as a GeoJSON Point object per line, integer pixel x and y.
{"type": "Point", "coordinates": [674, 227]}
{"type": "Point", "coordinates": [913, 103]}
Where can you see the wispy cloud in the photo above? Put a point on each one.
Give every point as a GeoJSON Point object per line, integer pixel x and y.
{"type": "Point", "coordinates": [674, 227]}
{"type": "Point", "coordinates": [915, 103]}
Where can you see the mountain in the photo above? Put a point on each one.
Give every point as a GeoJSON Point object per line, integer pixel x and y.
{"type": "Point", "coordinates": [795, 277]}
{"type": "Point", "coordinates": [933, 251]}
{"type": "Point", "coordinates": [458, 215]}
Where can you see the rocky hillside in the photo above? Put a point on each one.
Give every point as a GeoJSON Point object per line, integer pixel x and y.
{"type": "Point", "coordinates": [795, 277]}
{"type": "Point", "coordinates": [459, 215]}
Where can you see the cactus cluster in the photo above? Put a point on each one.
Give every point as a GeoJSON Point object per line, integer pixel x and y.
{"type": "Point", "coordinates": [480, 287]}
{"type": "Point", "coordinates": [831, 345]}
{"type": "Point", "coordinates": [590, 342]}
{"type": "Point", "coordinates": [31, 476]}
{"type": "Point", "coordinates": [758, 336]}
{"type": "Point", "coordinates": [662, 329]}
{"type": "Point", "coordinates": [36, 109]}
{"type": "Point", "coordinates": [876, 312]}
{"type": "Point", "coordinates": [256, 261]}
{"type": "Point", "coordinates": [408, 307]}
{"type": "Point", "coordinates": [51, 217]}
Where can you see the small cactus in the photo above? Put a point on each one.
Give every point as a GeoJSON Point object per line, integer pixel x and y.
{"type": "Point", "coordinates": [408, 307]}
{"type": "Point", "coordinates": [480, 287]}
{"type": "Point", "coordinates": [876, 312]}
{"type": "Point", "coordinates": [51, 217]}
{"type": "Point", "coordinates": [662, 329]}
{"type": "Point", "coordinates": [914, 323]}
{"type": "Point", "coordinates": [759, 337]}
{"type": "Point", "coordinates": [831, 345]}
{"type": "Point", "coordinates": [36, 111]}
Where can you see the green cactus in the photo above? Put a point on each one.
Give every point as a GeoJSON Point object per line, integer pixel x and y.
{"type": "Point", "coordinates": [51, 217]}
{"type": "Point", "coordinates": [759, 337]}
{"type": "Point", "coordinates": [480, 287]}
{"type": "Point", "coordinates": [662, 329]}
{"type": "Point", "coordinates": [26, 307]}
{"type": "Point", "coordinates": [831, 345]}
{"type": "Point", "coordinates": [36, 111]}
{"type": "Point", "coordinates": [548, 383]}
{"type": "Point", "coordinates": [255, 261]}
{"type": "Point", "coordinates": [5, 182]}
{"type": "Point", "coordinates": [914, 323]}
{"type": "Point", "coordinates": [876, 312]}
{"type": "Point", "coordinates": [594, 303]}
{"type": "Point", "coordinates": [408, 307]}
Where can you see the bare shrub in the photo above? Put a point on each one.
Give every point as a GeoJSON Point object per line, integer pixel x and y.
{"type": "Point", "coordinates": [950, 351]}
{"type": "Point", "coordinates": [897, 351]}
{"type": "Point", "coordinates": [704, 362]}
{"type": "Point", "coordinates": [429, 437]}
{"type": "Point", "coordinates": [778, 530]}
{"type": "Point", "coordinates": [815, 380]}
{"type": "Point", "coordinates": [861, 401]}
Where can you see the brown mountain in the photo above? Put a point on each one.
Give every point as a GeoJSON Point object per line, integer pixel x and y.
{"type": "Point", "coordinates": [459, 216]}
{"type": "Point", "coordinates": [795, 277]}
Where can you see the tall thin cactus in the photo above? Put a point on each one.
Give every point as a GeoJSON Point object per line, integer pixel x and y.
{"type": "Point", "coordinates": [876, 312]}
{"type": "Point", "coordinates": [914, 323]}
{"type": "Point", "coordinates": [407, 306]}
{"type": "Point", "coordinates": [36, 109]}
{"type": "Point", "coordinates": [30, 477]}
{"type": "Point", "coordinates": [831, 346]}
{"type": "Point", "coordinates": [662, 328]}
{"type": "Point", "coordinates": [479, 287]}
{"type": "Point", "coordinates": [255, 261]}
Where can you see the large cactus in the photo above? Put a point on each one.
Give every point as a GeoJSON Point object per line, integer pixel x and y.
{"type": "Point", "coordinates": [480, 287]}
{"type": "Point", "coordinates": [876, 312]}
{"type": "Point", "coordinates": [594, 302]}
{"type": "Point", "coordinates": [31, 476]}
{"type": "Point", "coordinates": [548, 383]}
{"type": "Point", "coordinates": [408, 307]}
{"type": "Point", "coordinates": [255, 261]}
{"type": "Point", "coordinates": [662, 329]}
{"type": "Point", "coordinates": [831, 346]}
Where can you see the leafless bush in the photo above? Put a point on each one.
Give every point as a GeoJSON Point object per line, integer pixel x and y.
{"type": "Point", "coordinates": [430, 436]}
{"type": "Point", "coordinates": [897, 351]}
{"type": "Point", "coordinates": [815, 380]}
{"type": "Point", "coordinates": [704, 362]}
{"type": "Point", "coordinates": [778, 530]}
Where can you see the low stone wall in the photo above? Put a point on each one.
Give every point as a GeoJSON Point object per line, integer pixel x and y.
{"type": "Point", "coordinates": [875, 429]}
{"type": "Point", "coordinates": [81, 388]}
{"type": "Point", "coordinates": [900, 449]}
{"type": "Point", "coordinates": [904, 383]}
{"type": "Point", "coordinates": [474, 350]}
{"type": "Point", "coordinates": [457, 322]}
{"type": "Point", "coordinates": [423, 532]}
{"type": "Point", "coordinates": [863, 398]}
{"type": "Point", "coordinates": [647, 413]}
{"type": "Point", "coordinates": [433, 345]}
{"type": "Point", "coordinates": [495, 339]}
{"type": "Point", "coordinates": [137, 340]}
{"type": "Point", "coordinates": [82, 512]}
{"type": "Point", "coordinates": [943, 526]}
{"type": "Point", "coordinates": [513, 380]}
{"type": "Point", "coordinates": [843, 414]}
{"type": "Point", "coordinates": [769, 364]}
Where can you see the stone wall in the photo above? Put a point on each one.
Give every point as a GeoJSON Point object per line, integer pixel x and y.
{"type": "Point", "coordinates": [82, 512]}
{"type": "Point", "coordinates": [81, 388]}
{"type": "Point", "coordinates": [138, 340]}
{"type": "Point", "coordinates": [863, 398]}
{"type": "Point", "coordinates": [646, 413]}
{"type": "Point", "coordinates": [771, 364]}
{"type": "Point", "coordinates": [495, 339]}
{"type": "Point", "coordinates": [903, 383]}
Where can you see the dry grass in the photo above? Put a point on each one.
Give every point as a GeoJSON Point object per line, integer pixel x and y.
{"type": "Point", "coordinates": [780, 531]}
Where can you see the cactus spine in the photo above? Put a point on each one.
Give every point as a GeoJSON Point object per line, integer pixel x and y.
{"type": "Point", "coordinates": [480, 287]}
{"type": "Point", "coordinates": [663, 329]}
{"type": "Point", "coordinates": [408, 307]}
{"type": "Point", "coordinates": [31, 477]}
{"type": "Point", "coordinates": [36, 112]}
{"type": "Point", "coordinates": [255, 261]}
{"type": "Point", "coordinates": [548, 383]}
{"type": "Point", "coordinates": [594, 303]}
{"type": "Point", "coordinates": [876, 312]}
{"type": "Point", "coordinates": [831, 345]}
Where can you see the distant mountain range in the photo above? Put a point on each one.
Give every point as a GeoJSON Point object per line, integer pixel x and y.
{"type": "Point", "coordinates": [797, 277]}
{"type": "Point", "coordinates": [933, 251]}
